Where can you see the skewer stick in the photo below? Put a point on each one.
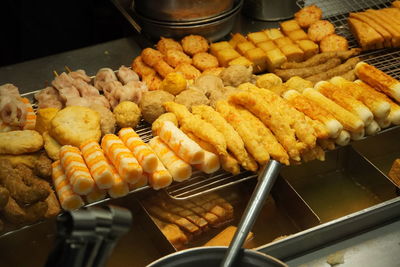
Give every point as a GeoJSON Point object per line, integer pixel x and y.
{"type": "Point", "coordinates": [67, 69]}
{"type": "Point", "coordinates": [55, 73]}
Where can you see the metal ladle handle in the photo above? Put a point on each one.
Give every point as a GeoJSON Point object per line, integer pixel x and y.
{"type": "Point", "coordinates": [266, 180]}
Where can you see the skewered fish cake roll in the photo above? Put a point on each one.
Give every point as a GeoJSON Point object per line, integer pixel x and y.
{"type": "Point", "coordinates": [76, 170]}
{"type": "Point", "coordinates": [343, 138]}
{"type": "Point", "coordinates": [30, 121]}
{"type": "Point", "coordinates": [69, 200]}
{"type": "Point", "coordinates": [119, 188]}
{"type": "Point", "coordinates": [372, 128]}
{"type": "Point", "coordinates": [96, 195]}
{"type": "Point", "coordinates": [210, 163]}
{"type": "Point", "coordinates": [160, 177]}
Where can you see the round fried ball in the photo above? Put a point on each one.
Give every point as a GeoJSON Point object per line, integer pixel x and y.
{"type": "Point", "coordinates": [319, 29]}
{"type": "Point", "coordinates": [192, 97]}
{"type": "Point", "coordinates": [174, 83]}
{"type": "Point", "coordinates": [176, 57]}
{"type": "Point", "coordinates": [333, 43]}
{"type": "Point", "coordinates": [308, 15]}
{"type": "Point", "coordinates": [151, 104]}
{"type": "Point", "coordinates": [193, 44]}
{"type": "Point", "coordinates": [236, 75]}
{"type": "Point", "coordinates": [127, 114]}
{"type": "Point", "coordinates": [166, 44]}
{"type": "Point", "coordinates": [204, 61]}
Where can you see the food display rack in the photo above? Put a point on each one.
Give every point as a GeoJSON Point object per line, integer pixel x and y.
{"type": "Point", "coordinates": [388, 60]}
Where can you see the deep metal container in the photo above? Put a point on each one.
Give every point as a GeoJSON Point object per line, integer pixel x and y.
{"type": "Point", "coordinates": [270, 10]}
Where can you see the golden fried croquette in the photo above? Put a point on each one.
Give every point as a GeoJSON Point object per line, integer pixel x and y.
{"type": "Point", "coordinates": [166, 44]}
{"type": "Point", "coordinates": [74, 125]}
{"type": "Point", "coordinates": [176, 57]}
{"type": "Point", "coordinates": [319, 29]}
{"type": "Point", "coordinates": [163, 68]}
{"type": "Point", "coordinates": [204, 61]}
{"type": "Point", "coordinates": [151, 56]}
{"type": "Point", "coordinates": [333, 43]}
{"type": "Point", "coordinates": [20, 142]}
{"type": "Point", "coordinates": [308, 15]}
{"type": "Point", "coordinates": [127, 114]}
{"type": "Point", "coordinates": [43, 119]}
{"type": "Point", "coordinates": [214, 71]}
{"type": "Point", "coordinates": [151, 104]}
{"type": "Point", "coordinates": [174, 83]}
{"type": "Point", "coordinates": [141, 68]}
{"type": "Point", "coordinates": [192, 97]}
{"type": "Point", "coordinates": [188, 71]}
{"type": "Point", "coordinates": [153, 81]}
{"type": "Point", "coordinates": [193, 44]}
{"type": "Point", "coordinates": [51, 146]}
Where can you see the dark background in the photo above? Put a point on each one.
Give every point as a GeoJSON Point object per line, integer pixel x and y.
{"type": "Point", "coordinates": [30, 29]}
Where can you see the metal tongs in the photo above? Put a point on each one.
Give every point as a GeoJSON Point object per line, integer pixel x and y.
{"type": "Point", "coordinates": [86, 237]}
{"type": "Point", "coordinates": [266, 180]}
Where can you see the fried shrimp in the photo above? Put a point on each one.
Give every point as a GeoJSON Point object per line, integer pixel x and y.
{"type": "Point", "coordinates": [234, 142]}
{"type": "Point", "coordinates": [204, 61]}
{"type": "Point", "coordinates": [193, 44]}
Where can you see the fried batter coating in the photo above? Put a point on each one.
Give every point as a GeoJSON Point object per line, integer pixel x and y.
{"type": "Point", "coordinates": [166, 44]}
{"type": "Point", "coordinates": [192, 97]}
{"type": "Point", "coordinates": [151, 104]}
{"type": "Point", "coordinates": [197, 126]}
{"type": "Point", "coordinates": [141, 68]}
{"type": "Point", "coordinates": [151, 56]}
{"type": "Point", "coordinates": [4, 195]}
{"type": "Point", "coordinates": [333, 43]}
{"type": "Point", "coordinates": [176, 57]}
{"type": "Point", "coordinates": [163, 68]}
{"type": "Point", "coordinates": [204, 61]}
{"type": "Point", "coordinates": [51, 146]}
{"type": "Point", "coordinates": [193, 44]}
{"type": "Point", "coordinates": [155, 127]}
{"type": "Point", "coordinates": [188, 71]}
{"type": "Point", "coordinates": [297, 83]}
{"type": "Point", "coordinates": [234, 142]}
{"type": "Point", "coordinates": [17, 214]}
{"type": "Point", "coordinates": [42, 166]}
{"type": "Point", "coordinates": [314, 153]}
{"type": "Point", "coordinates": [319, 29]}
{"type": "Point", "coordinates": [214, 71]}
{"type": "Point", "coordinates": [153, 81]}
{"type": "Point", "coordinates": [252, 141]}
{"type": "Point", "coordinates": [272, 116]}
{"type": "Point", "coordinates": [20, 142]}
{"type": "Point", "coordinates": [308, 15]}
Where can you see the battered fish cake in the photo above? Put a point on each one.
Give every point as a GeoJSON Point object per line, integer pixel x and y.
{"type": "Point", "coordinates": [204, 61]}
{"type": "Point", "coordinates": [163, 68]}
{"type": "Point", "coordinates": [308, 15]}
{"type": "Point", "coordinates": [193, 44]}
{"type": "Point", "coordinates": [20, 142]}
{"type": "Point", "coordinates": [333, 43]}
{"type": "Point", "coordinates": [166, 44]}
{"type": "Point", "coordinates": [188, 71]}
{"type": "Point", "coordinates": [214, 71]}
{"type": "Point", "coordinates": [319, 29]}
{"type": "Point", "coordinates": [151, 56]}
{"type": "Point", "coordinates": [74, 125]}
{"type": "Point", "coordinates": [141, 68]}
{"type": "Point", "coordinates": [176, 57]}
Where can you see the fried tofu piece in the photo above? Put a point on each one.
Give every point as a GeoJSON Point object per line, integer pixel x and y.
{"type": "Point", "coordinates": [267, 45]}
{"type": "Point", "coordinates": [388, 23]}
{"type": "Point", "coordinates": [241, 61]}
{"type": "Point", "coordinates": [367, 37]}
{"type": "Point", "coordinates": [298, 35]}
{"type": "Point", "coordinates": [244, 46]}
{"type": "Point", "coordinates": [215, 47]}
{"type": "Point", "coordinates": [309, 48]}
{"type": "Point", "coordinates": [257, 37]}
{"type": "Point", "coordinates": [226, 55]}
{"type": "Point", "coordinates": [275, 58]}
{"type": "Point", "coordinates": [289, 26]}
{"type": "Point", "coordinates": [259, 58]}
{"type": "Point", "coordinates": [292, 52]}
{"type": "Point", "coordinates": [236, 39]}
{"type": "Point", "coordinates": [281, 42]}
{"type": "Point", "coordinates": [273, 33]}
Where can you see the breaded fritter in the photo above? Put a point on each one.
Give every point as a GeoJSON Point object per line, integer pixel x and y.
{"type": "Point", "coordinates": [166, 44]}
{"type": "Point", "coordinates": [163, 68]}
{"type": "Point", "coordinates": [188, 71]}
{"type": "Point", "coordinates": [20, 142]}
{"type": "Point", "coordinates": [151, 56]}
{"type": "Point", "coordinates": [141, 68]}
{"type": "Point", "coordinates": [204, 61]}
{"type": "Point", "coordinates": [193, 44]}
{"type": "Point", "coordinates": [333, 43]}
{"type": "Point", "coordinates": [176, 57]}
{"type": "Point", "coordinates": [308, 15]}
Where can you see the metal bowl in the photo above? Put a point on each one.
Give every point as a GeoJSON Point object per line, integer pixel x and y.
{"type": "Point", "coordinates": [212, 28]}
{"type": "Point", "coordinates": [182, 10]}
{"type": "Point", "coordinates": [212, 257]}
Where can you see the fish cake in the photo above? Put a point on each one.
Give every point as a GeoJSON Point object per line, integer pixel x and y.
{"type": "Point", "coordinates": [141, 68]}
{"type": "Point", "coordinates": [319, 29]}
{"type": "Point", "coordinates": [20, 142]}
{"type": "Point", "coordinates": [333, 43]}
{"type": "Point", "coordinates": [51, 146]}
{"type": "Point", "coordinates": [193, 44]}
{"type": "Point", "coordinates": [188, 71]}
{"type": "Point", "coordinates": [176, 57]}
{"type": "Point", "coordinates": [74, 125]}
{"type": "Point", "coordinates": [151, 56]}
{"type": "Point", "coordinates": [163, 68]}
{"type": "Point", "coordinates": [204, 61]}
{"type": "Point", "coordinates": [166, 44]}
{"type": "Point", "coordinates": [308, 15]}
{"type": "Point", "coordinates": [214, 71]}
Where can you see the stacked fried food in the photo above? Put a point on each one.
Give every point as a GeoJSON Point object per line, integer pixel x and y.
{"type": "Point", "coordinates": [183, 221]}
{"type": "Point", "coordinates": [376, 29]}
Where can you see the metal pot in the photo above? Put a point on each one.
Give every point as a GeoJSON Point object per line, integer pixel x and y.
{"type": "Point", "coordinates": [270, 10]}
{"type": "Point", "coordinates": [182, 10]}
{"type": "Point", "coordinates": [212, 257]}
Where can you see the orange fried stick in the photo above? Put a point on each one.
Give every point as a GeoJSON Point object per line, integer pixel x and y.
{"type": "Point", "coordinates": [160, 177]}
{"type": "Point", "coordinates": [30, 121]}
{"type": "Point", "coordinates": [69, 200]}
{"type": "Point", "coordinates": [122, 158]}
{"type": "Point", "coordinates": [119, 188]}
{"type": "Point", "coordinates": [146, 157]}
{"type": "Point", "coordinates": [76, 170]}
{"type": "Point", "coordinates": [96, 161]}
{"type": "Point", "coordinates": [96, 195]}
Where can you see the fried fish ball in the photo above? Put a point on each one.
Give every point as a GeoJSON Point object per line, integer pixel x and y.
{"type": "Point", "coordinates": [204, 61]}
{"type": "Point", "coordinates": [163, 68]}
{"type": "Point", "coordinates": [141, 68]}
{"type": "Point", "coordinates": [174, 83]}
{"type": "Point", "coordinates": [20, 142]}
{"type": "Point", "coordinates": [74, 125]}
{"type": "Point", "coordinates": [193, 44]}
{"type": "Point", "coordinates": [176, 57]}
{"type": "Point", "coordinates": [166, 44]}
{"type": "Point", "coordinates": [188, 71]}
{"type": "Point", "coordinates": [127, 114]}
{"type": "Point", "coordinates": [308, 15]}
{"type": "Point", "coordinates": [151, 56]}
{"type": "Point", "coordinates": [192, 97]}
{"type": "Point", "coordinates": [319, 29]}
{"type": "Point", "coordinates": [333, 43]}
{"type": "Point", "coordinates": [151, 104]}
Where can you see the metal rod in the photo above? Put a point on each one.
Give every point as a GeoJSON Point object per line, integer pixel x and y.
{"type": "Point", "coordinates": [266, 180]}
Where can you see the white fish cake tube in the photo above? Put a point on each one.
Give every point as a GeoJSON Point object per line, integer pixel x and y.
{"type": "Point", "coordinates": [180, 143]}
{"type": "Point", "coordinates": [372, 128]}
{"type": "Point", "coordinates": [210, 163]}
{"type": "Point", "coordinates": [122, 158]}
{"type": "Point", "coordinates": [358, 135]}
{"type": "Point", "coordinates": [119, 188]}
{"type": "Point", "coordinates": [69, 200]}
{"type": "Point", "coordinates": [343, 138]}
{"type": "Point", "coordinates": [160, 178]}
{"type": "Point", "coordinates": [96, 161]}
{"type": "Point", "coordinates": [96, 195]}
{"type": "Point", "coordinates": [384, 123]}
{"type": "Point", "coordinates": [142, 152]}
